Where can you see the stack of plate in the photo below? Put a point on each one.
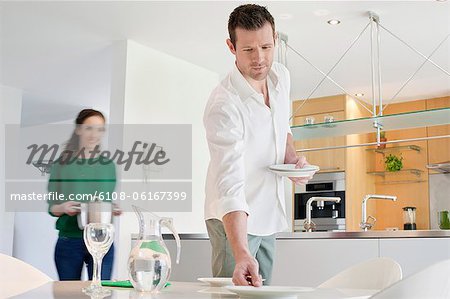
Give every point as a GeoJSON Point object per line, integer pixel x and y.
{"type": "Point", "coordinates": [269, 292]}
{"type": "Point", "coordinates": [289, 170]}
{"type": "Point", "coordinates": [217, 281]}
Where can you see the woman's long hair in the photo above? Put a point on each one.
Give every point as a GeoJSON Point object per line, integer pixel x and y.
{"type": "Point", "coordinates": [72, 146]}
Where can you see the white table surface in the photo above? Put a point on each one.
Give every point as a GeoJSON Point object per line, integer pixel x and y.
{"type": "Point", "coordinates": [178, 290]}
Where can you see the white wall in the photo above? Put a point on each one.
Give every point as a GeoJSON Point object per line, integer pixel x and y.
{"type": "Point", "coordinates": [10, 108]}
{"type": "Point", "coordinates": [35, 238]}
{"type": "Point", "coordinates": [35, 234]}
{"type": "Point", "coordinates": [162, 89]}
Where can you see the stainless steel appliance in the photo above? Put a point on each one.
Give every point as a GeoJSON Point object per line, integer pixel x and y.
{"type": "Point", "coordinates": [95, 211]}
{"type": "Point", "coordinates": [327, 216]}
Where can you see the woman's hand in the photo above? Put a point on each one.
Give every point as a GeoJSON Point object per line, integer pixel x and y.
{"type": "Point", "coordinates": [68, 207]}
{"type": "Point", "coordinates": [117, 211]}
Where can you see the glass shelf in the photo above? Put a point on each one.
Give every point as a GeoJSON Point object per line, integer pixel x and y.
{"type": "Point", "coordinates": [416, 172]}
{"type": "Point", "coordinates": [407, 120]}
{"type": "Point", "coordinates": [395, 148]}
{"type": "Point", "coordinates": [440, 167]}
{"type": "Point", "coordinates": [400, 182]}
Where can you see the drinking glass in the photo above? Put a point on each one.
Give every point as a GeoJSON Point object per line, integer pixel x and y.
{"type": "Point", "coordinates": [98, 238]}
{"type": "Point", "coordinates": [444, 219]}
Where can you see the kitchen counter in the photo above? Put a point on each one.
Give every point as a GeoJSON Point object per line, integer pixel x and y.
{"type": "Point", "coordinates": [178, 290]}
{"type": "Point", "coordinates": [327, 253]}
{"type": "Point", "coordinates": [375, 234]}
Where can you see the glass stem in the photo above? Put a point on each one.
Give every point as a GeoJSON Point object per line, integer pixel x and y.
{"type": "Point", "coordinates": [97, 273]}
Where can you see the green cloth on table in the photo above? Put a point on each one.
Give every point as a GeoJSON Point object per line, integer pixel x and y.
{"type": "Point", "coordinates": [122, 283]}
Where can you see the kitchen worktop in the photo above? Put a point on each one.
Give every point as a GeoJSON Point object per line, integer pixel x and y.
{"type": "Point", "coordinates": [375, 234]}
{"type": "Point", "coordinates": [327, 253]}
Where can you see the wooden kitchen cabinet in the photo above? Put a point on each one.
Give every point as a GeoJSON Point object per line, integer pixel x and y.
{"type": "Point", "coordinates": [438, 149]}
{"type": "Point", "coordinates": [350, 160]}
{"type": "Point", "coordinates": [411, 186]}
{"type": "Point", "coordinates": [319, 105]}
{"type": "Point", "coordinates": [327, 160]}
{"type": "Point", "coordinates": [411, 190]}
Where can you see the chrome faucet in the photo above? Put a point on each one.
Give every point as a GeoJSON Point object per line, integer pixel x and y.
{"type": "Point", "coordinates": [365, 224]}
{"type": "Point", "coordinates": [309, 225]}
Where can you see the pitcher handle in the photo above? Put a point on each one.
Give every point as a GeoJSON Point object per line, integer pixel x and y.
{"type": "Point", "coordinates": [138, 212]}
{"type": "Point", "coordinates": [168, 222]}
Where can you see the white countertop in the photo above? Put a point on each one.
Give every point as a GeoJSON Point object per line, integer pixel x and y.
{"type": "Point", "coordinates": [178, 290]}
{"type": "Point", "coordinates": [373, 234]}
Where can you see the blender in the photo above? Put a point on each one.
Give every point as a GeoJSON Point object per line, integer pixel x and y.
{"type": "Point", "coordinates": [409, 218]}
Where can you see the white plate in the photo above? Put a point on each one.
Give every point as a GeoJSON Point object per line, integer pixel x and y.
{"type": "Point", "coordinates": [292, 174]}
{"type": "Point", "coordinates": [217, 281]}
{"type": "Point", "coordinates": [289, 170]}
{"type": "Point", "coordinates": [268, 291]}
{"type": "Point", "coordinates": [291, 167]}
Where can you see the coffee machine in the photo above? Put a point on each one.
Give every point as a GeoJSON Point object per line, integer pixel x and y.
{"type": "Point", "coordinates": [327, 216]}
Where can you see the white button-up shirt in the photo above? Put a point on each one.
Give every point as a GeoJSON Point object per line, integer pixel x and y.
{"type": "Point", "coordinates": [245, 137]}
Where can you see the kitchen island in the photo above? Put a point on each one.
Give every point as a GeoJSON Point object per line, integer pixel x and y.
{"type": "Point", "coordinates": [307, 259]}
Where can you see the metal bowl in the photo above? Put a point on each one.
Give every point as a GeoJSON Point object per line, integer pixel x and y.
{"type": "Point", "coordinates": [94, 212]}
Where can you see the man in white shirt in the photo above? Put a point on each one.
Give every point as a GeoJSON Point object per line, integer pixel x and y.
{"type": "Point", "coordinates": [247, 128]}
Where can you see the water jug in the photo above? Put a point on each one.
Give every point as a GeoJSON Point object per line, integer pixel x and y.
{"type": "Point", "coordinates": [149, 263]}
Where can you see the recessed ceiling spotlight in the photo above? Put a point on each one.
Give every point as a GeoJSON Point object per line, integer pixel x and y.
{"type": "Point", "coordinates": [321, 12]}
{"type": "Point", "coordinates": [441, 0]}
{"type": "Point", "coordinates": [333, 22]}
{"type": "Point", "coordinates": [359, 94]}
{"type": "Point", "coordinates": [285, 16]}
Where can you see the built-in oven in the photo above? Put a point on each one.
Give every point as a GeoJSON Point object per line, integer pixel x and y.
{"type": "Point", "coordinates": [330, 216]}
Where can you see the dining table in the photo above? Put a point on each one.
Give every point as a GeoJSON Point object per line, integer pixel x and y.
{"type": "Point", "coordinates": [182, 290]}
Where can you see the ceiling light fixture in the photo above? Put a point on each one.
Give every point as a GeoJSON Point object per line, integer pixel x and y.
{"type": "Point", "coordinates": [285, 16]}
{"type": "Point", "coordinates": [334, 22]}
{"type": "Point", "coordinates": [359, 94]}
{"type": "Point", "coordinates": [321, 12]}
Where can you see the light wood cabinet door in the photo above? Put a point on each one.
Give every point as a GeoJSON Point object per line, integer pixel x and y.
{"type": "Point", "coordinates": [438, 149]}
{"type": "Point", "coordinates": [319, 105]}
{"type": "Point", "coordinates": [327, 160]}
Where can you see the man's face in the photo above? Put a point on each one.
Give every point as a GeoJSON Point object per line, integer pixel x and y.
{"type": "Point", "coordinates": [254, 51]}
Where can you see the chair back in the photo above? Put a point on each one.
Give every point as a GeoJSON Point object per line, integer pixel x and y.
{"type": "Point", "coordinates": [432, 282]}
{"type": "Point", "coordinates": [17, 277]}
{"type": "Point", "coordinates": [374, 274]}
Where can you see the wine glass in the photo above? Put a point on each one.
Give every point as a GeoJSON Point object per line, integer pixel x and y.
{"type": "Point", "coordinates": [98, 238]}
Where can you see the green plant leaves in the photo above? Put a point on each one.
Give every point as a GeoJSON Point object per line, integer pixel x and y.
{"type": "Point", "coordinates": [393, 163]}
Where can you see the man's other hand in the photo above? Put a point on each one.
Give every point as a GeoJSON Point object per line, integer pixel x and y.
{"type": "Point", "coordinates": [300, 163]}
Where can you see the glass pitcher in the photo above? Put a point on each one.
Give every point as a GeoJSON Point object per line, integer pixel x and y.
{"type": "Point", "coordinates": [149, 263]}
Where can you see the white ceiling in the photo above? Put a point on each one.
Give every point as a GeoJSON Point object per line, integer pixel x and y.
{"type": "Point", "coordinates": [59, 52]}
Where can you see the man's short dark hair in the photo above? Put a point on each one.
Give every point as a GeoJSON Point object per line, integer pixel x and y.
{"type": "Point", "coordinates": [249, 17]}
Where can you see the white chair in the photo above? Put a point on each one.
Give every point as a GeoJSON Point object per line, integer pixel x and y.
{"type": "Point", "coordinates": [374, 274]}
{"type": "Point", "coordinates": [17, 277]}
{"type": "Point", "coordinates": [431, 283]}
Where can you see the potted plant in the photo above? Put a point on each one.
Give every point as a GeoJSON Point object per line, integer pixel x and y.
{"type": "Point", "coordinates": [393, 163]}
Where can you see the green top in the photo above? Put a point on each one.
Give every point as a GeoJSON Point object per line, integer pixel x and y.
{"type": "Point", "coordinates": [77, 178]}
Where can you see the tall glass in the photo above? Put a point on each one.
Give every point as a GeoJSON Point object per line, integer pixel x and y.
{"type": "Point", "coordinates": [98, 238]}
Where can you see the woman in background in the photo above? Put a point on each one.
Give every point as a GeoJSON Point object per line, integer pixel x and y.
{"type": "Point", "coordinates": [76, 173]}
